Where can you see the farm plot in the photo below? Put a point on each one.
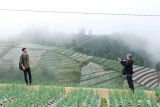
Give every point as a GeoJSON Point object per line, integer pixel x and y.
{"type": "Point", "coordinates": [77, 56]}
{"type": "Point", "coordinates": [108, 64]}
{"type": "Point", "coordinates": [15, 53]}
{"type": "Point", "coordinates": [22, 96]}
{"type": "Point", "coordinates": [81, 98]}
{"type": "Point", "coordinates": [5, 47]}
{"type": "Point", "coordinates": [94, 75]}
{"type": "Point", "coordinates": [146, 77]}
{"type": "Point", "coordinates": [53, 96]}
{"type": "Point", "coordinates": [58, 66]}
{"type": "Point", "coordinates": [52, 57]}
{"type": "Point", "coordinates": [128, 99]}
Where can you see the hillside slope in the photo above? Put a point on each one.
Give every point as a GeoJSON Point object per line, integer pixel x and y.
{"type": "Point", "coordinates": [47, 64]}
{"type": "Point", "coordinates": [107, 73]}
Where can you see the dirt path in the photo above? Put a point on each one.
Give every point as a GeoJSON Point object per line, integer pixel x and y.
{"type": "Point", "coordinates": [103, 92]}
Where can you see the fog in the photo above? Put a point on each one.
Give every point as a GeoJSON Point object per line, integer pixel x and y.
{"type": "Point", "coordinates": [138, 32]}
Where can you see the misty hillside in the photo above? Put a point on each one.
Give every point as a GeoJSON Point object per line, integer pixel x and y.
{"type": "Point", "coordinates": [111, 47]}
{"type": "Point", "coordinates": [104, 46]}
{"type": "Point", "coordinates": [57, 64]}
{"type": "Point", "coordinates": [79, 58]}
{"type": "Point", "coordinates": [42, 59]}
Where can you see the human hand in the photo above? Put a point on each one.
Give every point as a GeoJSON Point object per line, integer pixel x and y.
{"type": "Point", "coordinates": [24, 68]}
{"type": "Point", "coordinates": [119, 59]}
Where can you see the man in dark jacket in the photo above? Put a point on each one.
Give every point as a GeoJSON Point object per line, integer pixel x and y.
{"type": "Point", "coordinates": [128, 70]}
{"type": "Point", "coordinates": [24, 61]}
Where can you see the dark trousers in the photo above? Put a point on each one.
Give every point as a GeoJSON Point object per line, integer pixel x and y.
{"type": "Point", "coordinates": [130, 82]}
{"type": "Point", "coordinates": [27, 72]}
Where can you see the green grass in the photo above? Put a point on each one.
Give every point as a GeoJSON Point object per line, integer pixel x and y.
{"type": "Point", "coordinates": [39, 82]}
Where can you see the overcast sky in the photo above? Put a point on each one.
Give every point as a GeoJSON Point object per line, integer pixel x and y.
{"type": "Point", "coordinates": [148, 28]}
{"type": "Point", "coordinates": [15, 22]}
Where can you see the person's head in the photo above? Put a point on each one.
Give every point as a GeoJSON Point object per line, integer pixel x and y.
{"type": "Point", "coordinates": [129, 56]}
{"type": "Point", "coordinates": [24, 50]}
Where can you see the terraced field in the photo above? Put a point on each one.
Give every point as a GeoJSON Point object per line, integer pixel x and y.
{"type": "Point", "coordinates": [143, 77]}
{"type": "Point", "coordinates": [94, 75]}
{"type": "Point", "coordinates": [146, 77]}
{"type": "Point", "coordinates": [35, 52]}
{"type": "Point", "coordinates": [70, 66]}
{"type": "Point", "coordinates": [5, 47]}
{"type": "Point", "coordinates": [63, 68]}
{"type": "Point", "coordinates": [77, 56]}
{"type": "Point", "coordinates": [103, 72]}
{"type": "Point", "coordinates": [53, 57]}
{"type": "Point", "coordinates": [47, 62]}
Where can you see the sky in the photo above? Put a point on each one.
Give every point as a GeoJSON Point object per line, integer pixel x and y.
{"type": "Point", "coordinates": [14, 22]}
{"type": "Point", "coordinates": [146, 28]}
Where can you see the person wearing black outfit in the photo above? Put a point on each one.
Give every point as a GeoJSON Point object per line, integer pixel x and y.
{"type": "Point", "coordinates": [24, 62]}
{"type": "Point", "coordinates": [128, 70]}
